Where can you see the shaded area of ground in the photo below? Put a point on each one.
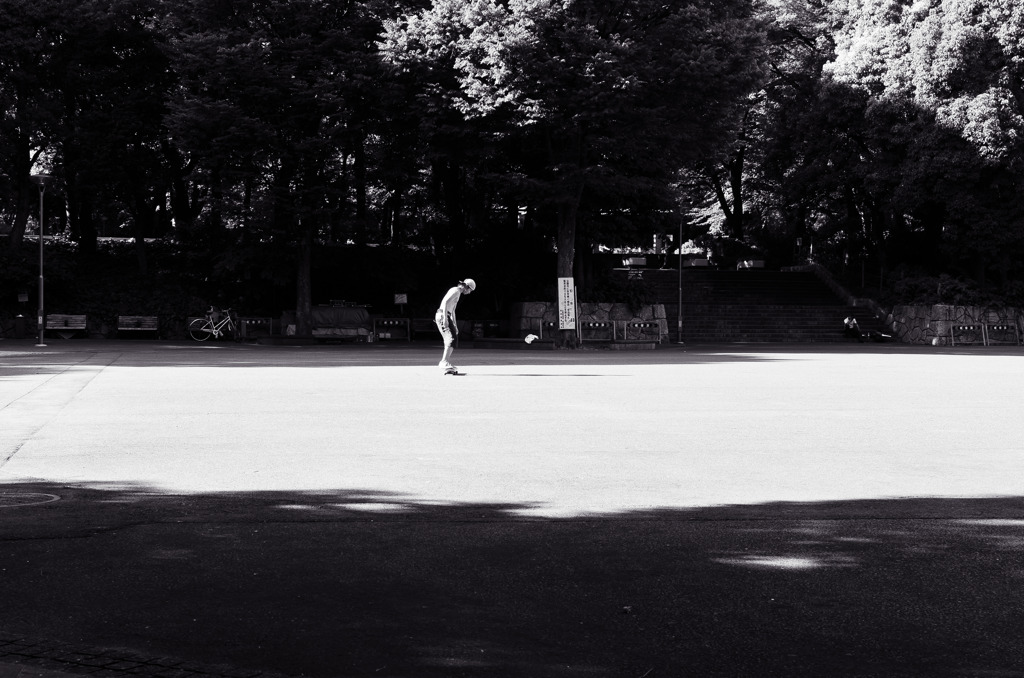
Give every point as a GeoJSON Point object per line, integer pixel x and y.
{"type": "Point", "coordinates": [352, 583]}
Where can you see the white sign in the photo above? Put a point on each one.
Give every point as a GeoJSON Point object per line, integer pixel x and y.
{"type": "Point", "coordinates": [566, 304]}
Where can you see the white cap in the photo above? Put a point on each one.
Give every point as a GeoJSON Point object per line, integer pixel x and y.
{"type": "Point", "coordinates": [470, 283]}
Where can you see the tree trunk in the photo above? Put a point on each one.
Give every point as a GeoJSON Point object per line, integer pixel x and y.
{"type": "Point", "coordinates": [731, 204]}
{"type": "Point", "coordinates": [304, 282]}
{"type": "Point", "coordinates": [24, 206]}
{"type": "Point", "coordinates": [565, 262]}
{"type": "Point", "coordinates": [736, 184]}
{"type": "Point", "coordinates": [83, 225]}
{"type": "Point", "coordinates": [144, 214]}
{"type": "Point", "coordinates": [568, 210]}
{"type": "Point", "coordinates": [183, 208]}
{"type": "Point", "coordinates": [360, 235]}
{"type": "Point", "coordinates": [20, 171]}
{"type": "Point", "coordinates": [216, 223]}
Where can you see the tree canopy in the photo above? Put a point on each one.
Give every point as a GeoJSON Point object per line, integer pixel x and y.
{"type": "Point", "coordinates": [605, 102]}
{"type": "Point", "coordinates": [905, 146]}
{"type": "Point", "coordinates": [254, 136]}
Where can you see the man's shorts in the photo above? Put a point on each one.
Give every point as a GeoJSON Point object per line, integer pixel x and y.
{"type": "Point", "coordinates": [446, 332]}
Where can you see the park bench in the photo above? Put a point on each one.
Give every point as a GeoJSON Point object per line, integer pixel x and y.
{"type": "Point", "coordinates": [642, 329]}
{"type": "Point", "coordinates": [486, 328]}
{"type": "Point", "coordinates": [1002, 333]}
{"type": "Point", "coordinates": [65, 325]}
{"type": "Point", "coordinates": [634, 331]}
{"type": "Point", "coordinates": [253, 327]}
{"type": "Point", "coordinates": [966, 334]}
{"type": "Point", "coordinates": [138, 323]}
{"type": "Point", "coordinates": [589, 330]}
{"type": "Point", "coordinates": [392, 328]}
{"type": "Point", "coordinates": [595, 330]}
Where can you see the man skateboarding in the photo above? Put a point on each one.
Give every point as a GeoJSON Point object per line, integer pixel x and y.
{"type": "Point", "coordinates": [447, 324]}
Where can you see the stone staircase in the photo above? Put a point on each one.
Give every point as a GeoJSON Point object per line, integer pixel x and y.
{"type": "Point", "coordinates": [753, 305]}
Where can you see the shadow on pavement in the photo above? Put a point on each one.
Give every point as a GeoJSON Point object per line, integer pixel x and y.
{"type": "Point", "coordinates": [351, 583]}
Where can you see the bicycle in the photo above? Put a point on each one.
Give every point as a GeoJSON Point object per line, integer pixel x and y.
{"type": "Point", "coordinates": [202, 329]}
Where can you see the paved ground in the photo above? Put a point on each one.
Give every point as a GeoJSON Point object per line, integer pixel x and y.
{"type": "Point", "coordinates": [340, 510]}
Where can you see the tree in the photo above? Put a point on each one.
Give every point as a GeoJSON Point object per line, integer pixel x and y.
{"type": "Point", "coordinates": [113, 82]}
{"type": "Point", "coordinates": [30, 104]}
{"type": "Point", "coordinates": [608, 99]}
{"type": "Point", "coordinates": [943, 87]}
{"type": "Point", "coordinates": [264, 108]}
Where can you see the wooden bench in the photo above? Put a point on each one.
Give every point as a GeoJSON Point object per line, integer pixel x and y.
{"type": "Point", "coordinates": [1002, 333]}
{"type": "Point", "coordinates": [486, 328]}
{"type": "Point", "coordinates": [597, 330]}
{"type": "Point", "coordinates": [966, 334]}
{"type": "Point", "coordinates": [253, 327]}
{"type": "Point", "coordinates": [138, 323]}
{"type": "Point", "coordinates": [391, 328]}
{"type": "Point", "coordinates": [643, 328]}
{"type": "Point", "coordinates": [588, 330]}
{"type": "Point", "coordinates": [64, 325]}
{"type": "Point", "coordinates": [607, 331]}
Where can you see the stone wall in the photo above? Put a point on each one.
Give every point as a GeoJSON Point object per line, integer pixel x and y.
{"type": "Point", "coordinates": [943, 324]}
{"type": "Point", "coordinates": [531, 317]}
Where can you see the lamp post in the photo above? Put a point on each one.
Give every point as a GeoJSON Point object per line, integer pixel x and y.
{"type": "Point", "coordinates": [42, 181]}
{"type": "Point", "coordinates": [679, 309]}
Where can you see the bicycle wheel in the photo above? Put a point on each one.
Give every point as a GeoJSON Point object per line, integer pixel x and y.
{"type": "Point", "coordinates": [200, 329]}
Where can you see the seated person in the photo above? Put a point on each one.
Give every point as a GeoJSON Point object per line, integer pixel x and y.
{"type": "Point", "coordinates": [852, 330]}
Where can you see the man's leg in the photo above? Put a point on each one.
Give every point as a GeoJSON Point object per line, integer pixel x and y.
{"type": "Point", "coordinates": [449, 342]}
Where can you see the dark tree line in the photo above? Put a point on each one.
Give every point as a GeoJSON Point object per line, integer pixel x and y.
{"type": "Point", "coordinates": [881, 130]}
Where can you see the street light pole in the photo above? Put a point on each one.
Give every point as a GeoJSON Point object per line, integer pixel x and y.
{"type": "Point", "coordinates": [42, 181]}
{"type": "Point", "coordinates": [679, 308]}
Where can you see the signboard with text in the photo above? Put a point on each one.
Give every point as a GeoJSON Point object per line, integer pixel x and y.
{"type": "Point", "coordinates": [566, 304]}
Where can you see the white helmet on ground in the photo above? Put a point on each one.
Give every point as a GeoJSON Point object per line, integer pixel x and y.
{"type": "Point", "coordinates": [470, 283]}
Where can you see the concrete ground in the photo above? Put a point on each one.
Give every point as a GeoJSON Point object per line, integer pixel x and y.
{"type": "Point", "coordinates": [173, 509]}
